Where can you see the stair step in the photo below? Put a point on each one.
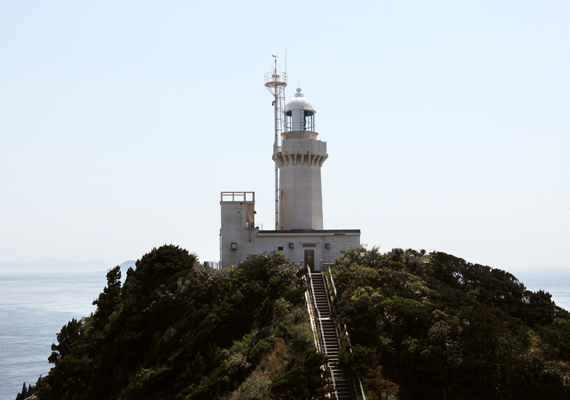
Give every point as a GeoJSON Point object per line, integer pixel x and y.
{"type": "Point", "coordinates": [321, 300]}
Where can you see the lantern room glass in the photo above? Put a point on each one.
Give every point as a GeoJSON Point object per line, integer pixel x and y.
{"type": "Point", "coordinates": [309, 124]}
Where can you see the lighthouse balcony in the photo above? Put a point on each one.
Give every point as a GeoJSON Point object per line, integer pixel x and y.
{"type": "Point", "coordinates": [303, 134]}
{"type": "Point", "coordinates": [304, 146]}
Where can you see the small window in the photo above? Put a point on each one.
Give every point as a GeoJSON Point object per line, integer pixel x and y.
{"type": "Point", "coordinates": [309, 121]}
{"type": "Point", "coordinates": [288, 121]}
{"type": "Point", "coordinates": [280, 248]}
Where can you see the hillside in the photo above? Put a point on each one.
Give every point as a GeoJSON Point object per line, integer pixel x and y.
{"type": "Point", "coordinates": [177, 329]}
{"type": "Point", "coordinates": [433, 326]}
{"type": "Point", "coordinates": [422, 326]}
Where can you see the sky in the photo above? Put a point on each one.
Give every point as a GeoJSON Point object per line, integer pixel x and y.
{"type": "Point", "coordinates": [447, 123]}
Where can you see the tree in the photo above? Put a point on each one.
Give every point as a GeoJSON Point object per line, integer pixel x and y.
{"type": "Point", "coordinates": [107, 300]}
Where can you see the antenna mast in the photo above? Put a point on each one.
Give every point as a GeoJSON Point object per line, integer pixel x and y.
{"type": "Point", "coordinates": [275, 82]}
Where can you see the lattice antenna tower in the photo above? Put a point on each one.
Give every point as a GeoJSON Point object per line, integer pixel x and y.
{"type": "Point", "coordinates": [276, 82]}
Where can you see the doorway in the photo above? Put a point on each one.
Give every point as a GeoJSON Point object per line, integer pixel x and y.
{"type": "Point", "coordinates": [310, 260]}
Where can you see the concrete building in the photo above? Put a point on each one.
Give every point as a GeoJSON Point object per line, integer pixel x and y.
{"type": "Point", "coordinates": [299, 233]}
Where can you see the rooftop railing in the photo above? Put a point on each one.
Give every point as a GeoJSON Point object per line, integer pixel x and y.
{"type": "Point", "coordinates": [238, 197]}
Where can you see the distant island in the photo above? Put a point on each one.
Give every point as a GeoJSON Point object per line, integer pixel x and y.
{"type": "Point", "coordinates": [124, 267]}
{"type": "Point", "coordinates": [420, 326]}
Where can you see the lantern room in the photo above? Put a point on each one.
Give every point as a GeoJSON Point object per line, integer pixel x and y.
{"type": "Point", "coordinates": [299, 118]}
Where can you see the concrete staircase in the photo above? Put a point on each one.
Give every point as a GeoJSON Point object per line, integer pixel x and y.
{"type": "Point", "coordinates": [330, 335]}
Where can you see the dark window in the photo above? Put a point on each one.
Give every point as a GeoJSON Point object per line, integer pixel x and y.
{"type": "Point", "coordinates": [309, 121]}
{"type": "Point", "coordinates": [288, 121]}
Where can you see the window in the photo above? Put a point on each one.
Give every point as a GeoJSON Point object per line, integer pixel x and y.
{"type": "Point", "coordinates": [288, 121]}
{"type": "Point", "coordinates": [309, 121]}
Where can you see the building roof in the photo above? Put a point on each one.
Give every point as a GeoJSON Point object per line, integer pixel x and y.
{"type": "Point", "coordinates": [311, 232]}
{"type": "Point", "coordinates": [299, 102]}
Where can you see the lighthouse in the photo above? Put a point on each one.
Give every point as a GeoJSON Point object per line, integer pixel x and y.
{"type": "Point", "coordinates": [300, 159]}
{"type": "Point", "coordinates": [299, 232]}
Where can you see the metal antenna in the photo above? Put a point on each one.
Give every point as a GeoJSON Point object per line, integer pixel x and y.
{"type": "Point", "coordinates": [275, 82]}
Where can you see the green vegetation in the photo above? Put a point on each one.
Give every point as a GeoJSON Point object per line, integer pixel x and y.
{"type": "Point", "coordinates": [422, 326]}
{"type": "Point", "coordinates": [433, 326]}
{"type": "Point", "coordinates": [178, 330]}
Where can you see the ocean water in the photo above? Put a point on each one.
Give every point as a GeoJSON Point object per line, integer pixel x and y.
{"type": "Point", "coordinates": [555, 281]}
{"type": "Point", "coordinates": [34, 307]}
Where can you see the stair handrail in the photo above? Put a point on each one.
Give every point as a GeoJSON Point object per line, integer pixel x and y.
{"type": "Point", "coordinates": [322, 334]}
{"type": "Point", "coordinates": [312, 313]}
{"type": "Point", "coordinates": [313, 328]}
{"type": "Point", "coordinates": [347, 337]}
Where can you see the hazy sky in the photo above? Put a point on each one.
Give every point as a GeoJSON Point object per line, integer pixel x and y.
{"type": "Point", "coordinates": [447, 123]}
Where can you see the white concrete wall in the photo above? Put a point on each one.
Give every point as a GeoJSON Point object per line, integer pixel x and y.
{"type": "Point", "coordinates": [303, 145]}
{"type": "Point", "coordinates": [255, 242]}
{"type": "Point", "coordinates": [301, 200]}
{"type": "Point", "coordinates": [316, 241]}
{"type": "Point", "coordinates": [237, 227]}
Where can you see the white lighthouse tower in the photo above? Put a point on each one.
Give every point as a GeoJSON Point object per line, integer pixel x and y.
{"type": "Point", "coordinates": [299, 234]}
{"type": "Point", "coordinates": [300, 159]}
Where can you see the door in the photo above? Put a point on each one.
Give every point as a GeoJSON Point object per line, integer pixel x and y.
{"type": "Point", "coordinates": [310, 260]}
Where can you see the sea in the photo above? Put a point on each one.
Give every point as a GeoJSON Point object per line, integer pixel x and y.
{"type": "Point", "coordinates": [34, 307]}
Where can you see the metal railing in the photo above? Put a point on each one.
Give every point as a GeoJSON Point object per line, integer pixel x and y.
{"type": "Point", "coordinates": [313, 327]}
{"type": "Point", "coordinates": [329, 275]}
{"type": "Point", "coordinates": [322, 339]}
{"type": "Point", "coordinates": [239, 197]}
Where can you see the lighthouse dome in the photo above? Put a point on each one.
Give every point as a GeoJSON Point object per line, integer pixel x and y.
{"type": "Point", "coordinates": [299, 102]}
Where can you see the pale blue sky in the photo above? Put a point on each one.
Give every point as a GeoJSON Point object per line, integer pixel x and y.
{"type": "Point", "coordinates": [447, 123]}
